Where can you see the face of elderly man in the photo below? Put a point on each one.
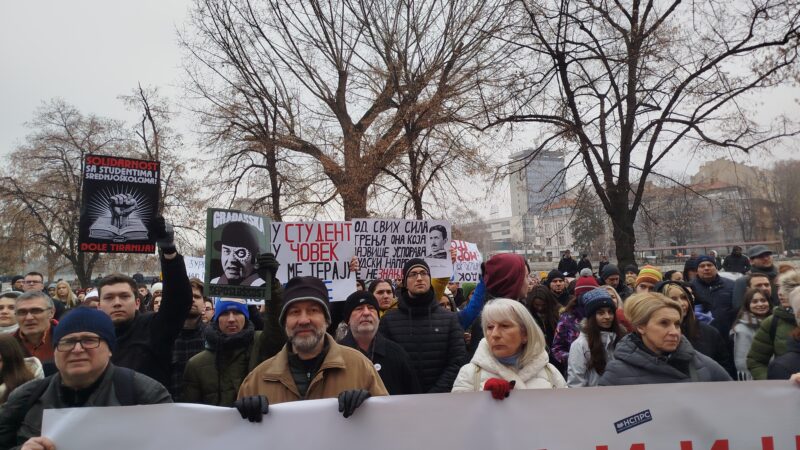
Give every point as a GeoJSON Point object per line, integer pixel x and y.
{"type": "Point", "coordinates": [81, 358]}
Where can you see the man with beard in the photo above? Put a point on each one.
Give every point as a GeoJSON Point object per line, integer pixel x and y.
{"type": "Point", "coordinates": [190, 341]}
{"type": "Point", "coordinates": [389, 359]}
{"type": "Point", "coordinates": [431, 335]}
{"type": "Point", "coordinates": [238, 247]}
{"type": "Point", "coordinates": [311, 365]}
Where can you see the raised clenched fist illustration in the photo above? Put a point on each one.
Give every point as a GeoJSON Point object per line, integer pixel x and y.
{"type": "Point", "coordinates": [121, 205]}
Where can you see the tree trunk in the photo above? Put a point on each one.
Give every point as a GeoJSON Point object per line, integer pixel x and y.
{"type": "Point", "coordinates": [275, 187]}
{"type": "Point", "coordinates": [622, 221]}
{"type": "Point", "coordinates": [354, 199]}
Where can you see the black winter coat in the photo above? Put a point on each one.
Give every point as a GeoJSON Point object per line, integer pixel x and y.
{"type": "Point", "coordinates": [736, 263]}
{"type": "Point", "coordinates": [432, 337]}
{"type": "Point", "coordinates": [568, 265]}
{"type": "Point", "coordinates": [144, 344]}
{"type": "Point", "coordinates": [782, 367]}
{"type": "Point", "coordinates": [719, 295]}
{"type": "Point", "coordinates": [710, 343]}
{"type": "Point", "coordinates": [392, 364]}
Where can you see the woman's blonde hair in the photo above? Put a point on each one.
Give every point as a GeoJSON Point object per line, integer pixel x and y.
{"type": "Point", "coordinates": [72, 300]}
{"type": "Point", "coordinates": [504, 309]}
{"type": "Point", "coordinates": [639, 308]}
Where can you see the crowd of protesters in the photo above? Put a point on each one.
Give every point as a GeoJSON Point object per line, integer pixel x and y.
{"type": "Point", "coordinates": [124, 343]}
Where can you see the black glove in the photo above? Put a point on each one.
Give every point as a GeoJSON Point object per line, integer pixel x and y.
{"type": "Point", "coordinates": [267, 266]}
{"type": "Point", "coordinates": [350, 400]}
{"type": "Point", "coordinates": [164, 235]}
{"type": "Point", "coordinates": [253, 407]}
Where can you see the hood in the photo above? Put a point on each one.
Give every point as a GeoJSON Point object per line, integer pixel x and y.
{"type": "Point", "coordinates": [631, 352]}
{"type": "Point", "coordinates": [484, 359]}
{"type": "Point", "coordinates": [417, 305]}
{"type": "Point", "coordinates": [784, 314]}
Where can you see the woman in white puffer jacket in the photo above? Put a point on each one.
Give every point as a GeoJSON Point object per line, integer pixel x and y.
{"type": "Point", "coordinates": [512, 355]}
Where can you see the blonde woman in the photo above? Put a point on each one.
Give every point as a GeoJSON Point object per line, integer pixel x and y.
{"type": "Point", "coordinates": [511, 355]}
{"type": "Point", "coordinates": [65, 294]}
{"type": "Point", "coordinates": [656, 351]}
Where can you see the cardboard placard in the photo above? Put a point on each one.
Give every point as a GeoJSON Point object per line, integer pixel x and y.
{"type": "Point", "coordinates": [383, 246]}
{"type": "Point", "coordinates": [317, 249]}
{"type": "Point", "coordinates": [467, 268]}
{"type": "Point", "coordinates": [119, 201]}
{"type": "Point", "coordinates": [234, 239]}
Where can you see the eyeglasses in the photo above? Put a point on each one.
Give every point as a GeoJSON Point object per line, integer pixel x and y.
{"type": "Point", "coordinates": [419, 274]}
{"type": "Point", "coordinates": [87, 343]}
{"type": "Point", "coordinates": [34, 311]}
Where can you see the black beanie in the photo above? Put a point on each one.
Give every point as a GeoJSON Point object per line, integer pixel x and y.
{"type": "Point", "coordinates": [357, 299]}
{"type": "Point", "coordinates": [305, 288]}
{"type": "Point", "coordinates": [410, 264]}
{"type": "Point", "coordinates": [608, 270]}
{"type": "Point", "coordinates": [553, 275]}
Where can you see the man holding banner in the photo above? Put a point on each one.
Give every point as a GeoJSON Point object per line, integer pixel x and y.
{"type": "Point", "coordinates": [311, 365]}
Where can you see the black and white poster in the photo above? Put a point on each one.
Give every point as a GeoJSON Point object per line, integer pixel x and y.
{"type": "Point", "coordinates": [234, 239]}
{"type": "Point", "coordinates": [120, 199]}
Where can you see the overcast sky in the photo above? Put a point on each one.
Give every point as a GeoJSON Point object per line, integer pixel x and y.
{"type": "Point", "coordinates": [89, 52]}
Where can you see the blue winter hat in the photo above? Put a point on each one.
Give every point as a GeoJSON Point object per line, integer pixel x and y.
{"type": "Point", "coordinates": [706, 258]}
{"type": "Point", "coordinates": [223, 305]}
{"type": "Point", "coordinates": [595, 299]}
{"type": "Point", "coordinates": [81, 320]}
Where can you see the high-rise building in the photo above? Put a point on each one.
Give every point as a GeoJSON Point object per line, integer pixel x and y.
{"type": "Point", "coordinates": [534, 184]}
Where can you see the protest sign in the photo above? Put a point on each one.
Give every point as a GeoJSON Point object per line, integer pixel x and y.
{"type": "Point", "coordinates": [234, 239]}
{"type": "Point", "coordinates": [195, 267]}
{"type": "Point", "coordinates": [119, 201]}
{"type": "Point", "coordinates": [467, 268]}
{"type": "Point", "coordinates": [317, 249]}
{"type": "Point", "coordinates": [382, 246]}
{"type": "Point", "coordinates": [686, 416]}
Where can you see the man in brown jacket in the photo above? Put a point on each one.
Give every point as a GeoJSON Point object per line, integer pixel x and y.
{"type": "Point", "coordinates": [311, 365]}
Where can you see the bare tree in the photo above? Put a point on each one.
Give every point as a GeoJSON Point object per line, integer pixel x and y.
{"type": "Point", "coordinates": [43, 182]}
{"type": "Point", "coordinates": [625, 84]}
{"type": "Point", "coordinates": [351, 83]}
{"type": "Point", "coordinates": [425, 180]}
{"type": "Point", "coordinates": [154, 139]}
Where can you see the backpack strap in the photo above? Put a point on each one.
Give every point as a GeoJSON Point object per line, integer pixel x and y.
{"type": "Point", "coordinates": [123, 386]}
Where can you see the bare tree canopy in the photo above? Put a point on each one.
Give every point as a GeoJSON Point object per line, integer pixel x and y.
{"type": "Point", "coordinates": [349, 83]}
{"type": "Point", "coordinates": [43, 182]}
{"type": "Point", "coordinates": [624, 84]}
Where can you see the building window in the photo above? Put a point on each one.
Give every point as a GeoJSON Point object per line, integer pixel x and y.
{"type": "Point", "coordinates": [549, 241]}
{"type": "Point", "coordinates": [505, 232]}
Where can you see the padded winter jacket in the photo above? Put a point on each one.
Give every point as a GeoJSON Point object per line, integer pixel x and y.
{"type": "Point", "coordinates": [764, 346]}
{"type": "Point", "coordinates": [432, 337]}
{"type": "Point", "coordinates": [633, 364]}
{"type": "Point", "coordinates": [718, 294]}
{"type": "Point", "coordinates": [538, 374]}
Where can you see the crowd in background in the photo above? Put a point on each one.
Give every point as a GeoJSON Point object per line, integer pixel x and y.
{"type": "Point", "coordinates": [124, 343]}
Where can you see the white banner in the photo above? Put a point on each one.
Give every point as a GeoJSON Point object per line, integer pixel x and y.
{"type": "Point", "coordinates": [467, 268]}
{"type": "Point", "coordinates": [195, 267]}
{"type": "Point", "coordinates": [691, 416]}
{"type": "Point", "coordinates": [317, 249]}
{"type": "Point", "coordinates": [384, 245]}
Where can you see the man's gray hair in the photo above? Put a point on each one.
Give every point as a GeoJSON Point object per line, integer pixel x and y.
{"type": "Point", "coordinates": [34, 295]}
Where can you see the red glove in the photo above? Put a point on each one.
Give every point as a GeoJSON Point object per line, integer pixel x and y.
{"type": "Point", "coordinates": [499, 387]}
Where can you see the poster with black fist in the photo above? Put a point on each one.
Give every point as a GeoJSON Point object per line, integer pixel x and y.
{"type": "Point", "coordinates": [120, 200]}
